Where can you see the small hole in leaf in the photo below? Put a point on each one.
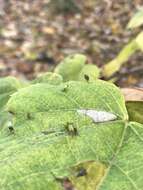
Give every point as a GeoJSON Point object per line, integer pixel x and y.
{"type": "Point", "coordinates": [86, 77]}
{"type": "Point", "coordinates": [11, 129]}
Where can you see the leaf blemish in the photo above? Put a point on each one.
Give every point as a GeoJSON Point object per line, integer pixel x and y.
{"type": "Point", "coordinates": [81, 172]}
{"type": "Point", "coordinates": [71, 129]}
{"type": "Point", "coordinates": [47, 132]}
{"type": "Point", "coordinates": [10, 127]}
{"type": "Point", "coordinates": [98, 116]}
{"type": "Point", "coordinates": [65, 88]}
{"type": "Point", "coordinates": [11, 112]}
{"type": "Point", "coordinates": [86, 77]}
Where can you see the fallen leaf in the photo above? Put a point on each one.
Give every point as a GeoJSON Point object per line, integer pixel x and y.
{"type": "Point", "coordinates": [133, 94]}
{"type": "Point", "coordinates": [134, 103]}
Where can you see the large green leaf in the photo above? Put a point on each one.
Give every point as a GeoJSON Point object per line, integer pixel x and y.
{"type": "Point", "coordinates": [52, 136]}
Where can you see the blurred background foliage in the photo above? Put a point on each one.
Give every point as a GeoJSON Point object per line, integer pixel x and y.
{"type": "Point", "coordinates": [36, 35]}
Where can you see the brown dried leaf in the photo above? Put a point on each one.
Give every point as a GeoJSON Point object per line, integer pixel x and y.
{"type": "Point", "coordinates": [133, 94]}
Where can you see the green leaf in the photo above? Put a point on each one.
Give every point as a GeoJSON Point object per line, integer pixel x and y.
{"type": "Point", "coordinates": [126, 166]}
{"type": "Point", "coordinates": [136, 20]}
{"type": "Point", "coordinates": [70, 95]}
{"type": "Point", "coordinates": [49, 77]}
{"type": "Point", "coordinates": [8, 86]}
{"type": "Point", "coordinates": [51, 140]}
{"type": "Point", "coordinates": [92, 71]}
{"type": "Point", "coordinates": [71, 66]}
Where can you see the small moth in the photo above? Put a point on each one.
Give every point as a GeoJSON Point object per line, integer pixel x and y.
{"type": "Point", "coordinates": [98, 116]}
{"type": "Point", "coordinates": [71, 129]}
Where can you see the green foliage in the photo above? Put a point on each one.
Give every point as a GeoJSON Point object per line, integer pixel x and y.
{"type": "Point", "coordinates": [74, 67]}
{"type": "Point", "coordinates": [92, 71]}
{"type": "Point", "coordinates": [8, 86]}
{"type": "Point", "coordinates": [49, 77]}
{"type": "Point", "coordinates": [70, 67]}
{"type": "Point", "coordinates": [50, 139]}
{"type": "Point", "coordinates": [79, 130]}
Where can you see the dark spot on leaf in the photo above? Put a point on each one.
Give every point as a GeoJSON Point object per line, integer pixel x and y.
{"type": "Point", "coordinates": [11, 129]}
{"type": "Point", "coordinates": [47, 132]}
{"type": "Point", "coordinates": [86, 77]}
{"type": "Point", "coordinates": [65, 88]}
{"type": "Point", "coordinates": [29, 116]}
{"type": "Point", "coordinates": [11, 112]}
{"type": "Point", "coordinates": [81, 172]}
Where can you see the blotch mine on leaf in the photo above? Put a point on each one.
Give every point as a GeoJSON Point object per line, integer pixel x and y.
{"type": "Point", "coordinates": [98, 116]}
{"type": "Point", "coordinates": [91, 174]}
